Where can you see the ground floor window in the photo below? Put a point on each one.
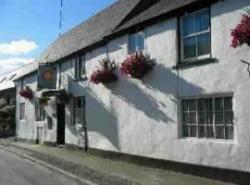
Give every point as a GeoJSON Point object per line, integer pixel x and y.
{"type": "Point", "coordinates": [21, 111]}
{"type": "Point", "coordinates": [79, 110]}
{"type": "Point", "coordinates": [210, 117]}
{"type": "Point", "coordinates": [39, 111]}
{"type": "Point", "coordinates": [50, 123]}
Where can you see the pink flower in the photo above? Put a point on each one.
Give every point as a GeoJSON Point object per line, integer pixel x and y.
{"type": "Point", "coordinates": [26, 93]}
{"type": "Point", "coordinates": [137, 65]}
{"type": "Point", "coordinates": [105, 74]}
{"type": "Point", "coordinates": [241, 33]}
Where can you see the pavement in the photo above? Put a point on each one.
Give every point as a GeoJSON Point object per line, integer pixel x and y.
{"type": "Point", "coordinates": [15, 170]}
{"type": "Point", "coordinates": [103, 171]}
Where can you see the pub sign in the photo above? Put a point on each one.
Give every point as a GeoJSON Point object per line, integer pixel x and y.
{"type": "Point", "coordinates": [47, 76]}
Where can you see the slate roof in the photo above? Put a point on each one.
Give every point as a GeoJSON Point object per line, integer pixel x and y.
{"type": "Point", "coordinates": [120, 16]}
{"type": "Point", "coordinates": [89, 32]}
{"type": "Point", "coordinates": [7, 79]}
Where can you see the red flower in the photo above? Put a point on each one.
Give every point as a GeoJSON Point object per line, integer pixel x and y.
{"type": "Point", "coordinates": [137, 65]}
{"type": "Point", "coordinates": [241, 33]}
{"type": "Point", "coordinates": [26, 93]}
{"type": "Point", "coordinates": [105, 74]}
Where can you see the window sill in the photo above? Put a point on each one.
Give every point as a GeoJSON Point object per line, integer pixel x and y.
{"type": "Point", "coordinates": [84, 78]}
{"type": "Point", "coordinates": [208, 140]}
{"type": "Point", "coordinates": [183, 65]}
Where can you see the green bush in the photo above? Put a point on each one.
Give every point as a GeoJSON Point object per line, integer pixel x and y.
{"type": "Point", "coordinates": [7, 115]}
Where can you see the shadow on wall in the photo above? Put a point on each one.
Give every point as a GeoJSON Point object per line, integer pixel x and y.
{"type": "Point", "coordinates": [140, 100]}
{"type": "Point", "coordinates": [169, 82]}
{"type": "Point", "coordinates": [162, 80]}
{"type": "Point", "coordinates": [103, 119]}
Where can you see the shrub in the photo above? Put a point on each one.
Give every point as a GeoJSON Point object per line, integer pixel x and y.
{"type": "Point", "coordinates": [105, 74]}
{"type": "Point", "coordinates": [137, 65]}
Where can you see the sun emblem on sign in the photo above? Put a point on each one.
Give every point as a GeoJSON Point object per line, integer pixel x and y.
{"type": "Point", "coordinates": [48, 75]}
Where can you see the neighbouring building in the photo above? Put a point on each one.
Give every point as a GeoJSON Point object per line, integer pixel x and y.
{"type": "Point", "coordinates": [191, 108]}
{"type": "Point", "coordinates": [8, 100]}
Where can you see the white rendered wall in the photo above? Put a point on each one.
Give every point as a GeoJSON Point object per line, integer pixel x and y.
{"type": "Point", "coordinates": [27, 129]}
{"type": "Point", "coordinates": [77, 89]}
{"type": "Point", "coordinates": [140, 117]}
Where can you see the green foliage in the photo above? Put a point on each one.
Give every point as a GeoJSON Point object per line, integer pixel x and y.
{"type": "Point", "coordinates": [3, 102]}
{"type": "Point", "coordinates": [7, 115]}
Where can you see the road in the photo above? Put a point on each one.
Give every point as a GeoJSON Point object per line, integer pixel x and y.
{"type": "Point", "coordinates": [15, 170]}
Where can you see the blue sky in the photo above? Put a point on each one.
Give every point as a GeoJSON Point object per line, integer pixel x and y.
{"type": "Point", "coordinates": [27, 27]}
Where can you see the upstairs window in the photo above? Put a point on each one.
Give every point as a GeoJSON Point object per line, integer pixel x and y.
{"type": "Point", "coordinates": [3, 79]}
{"type": "Point", "coordinates": [79, 110]}
{"type": "Point", "coordinates": [79, 67]}
{"type": "Point", "coordinates": [136, 42]}
{"type": "Point", "coordinates": [195, 35]}
{"type": "Point", "coordinates": [21, 84]}
{"type": "Point", "coordinates": [208, 118]}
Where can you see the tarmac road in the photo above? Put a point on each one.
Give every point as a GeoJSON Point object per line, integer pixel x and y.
{"type": "Point", "coordinates": [15, 170]}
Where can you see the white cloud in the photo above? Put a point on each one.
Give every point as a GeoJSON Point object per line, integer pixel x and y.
{"type": "Point", "coordinates": [17, 47]}
{"type": "Point", "coordinates": [8, 64]}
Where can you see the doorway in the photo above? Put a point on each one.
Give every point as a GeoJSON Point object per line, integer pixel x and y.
{"type": "Point", "coordinates": [60, 124]}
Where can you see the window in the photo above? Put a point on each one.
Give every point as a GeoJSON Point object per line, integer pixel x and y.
{"type": "Point", "coordinates": [136, 42]}
{"type": "Point", "coordinates": [208, 118]}
{"type": "Point", "coordinates": [50, 123]}
{"type": "Point", "coordinates": [79, 67]}
{"type": "Point", "coordinates": [3, 79]}
{"type": "Point", "coordinates": [21, 111]}
{"type": "Point", "coordinates": [21, 84]}
{"type": "Point", "coordinates": [12, 76]}
{"type": "Point", "coordinates": [195, 35]}
{"type": "Point", "coordinates": [79, 110]}
{"type": "Point", "coordinates": [39, 111]}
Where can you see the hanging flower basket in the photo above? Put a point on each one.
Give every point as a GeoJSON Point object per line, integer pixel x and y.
{"type": "Point", "coordinates": [44, 100]}
{"type": "Point", "coordinates": [137, 65]}
{"type": "Point", "coordinates": [26, 93]}
{"type": "Point", "coordinates": [241, 33]}
{"type": "Point", "coordinates": [105, 74]}
{"type": "Point", "coordinates": [64, 97]}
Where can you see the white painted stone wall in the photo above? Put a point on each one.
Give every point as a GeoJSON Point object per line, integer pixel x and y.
{"type": "Point", "coordinates": [141, 117]}
{"type": "Point", "coordinates": [27, 129]}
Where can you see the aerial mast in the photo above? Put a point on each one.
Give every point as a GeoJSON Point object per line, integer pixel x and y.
{"type": "Point", "coordinates": [61, 17]}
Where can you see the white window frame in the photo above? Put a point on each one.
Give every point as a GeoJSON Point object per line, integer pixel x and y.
{"type": "Point", "coordinates": [197, 57]}
{"type": "Point", "coordinates": [136, 35]}
{"type": "Point", "coordinates": [39, 111]}
{"type": "Point", "coordinates": [225, 125]}
{"type": "Point", "coordinates": [79, 67]}
{"type": "Point", "coordinates": [22, 112]}
{"type": "Point", "coordinates": [82, 109]}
